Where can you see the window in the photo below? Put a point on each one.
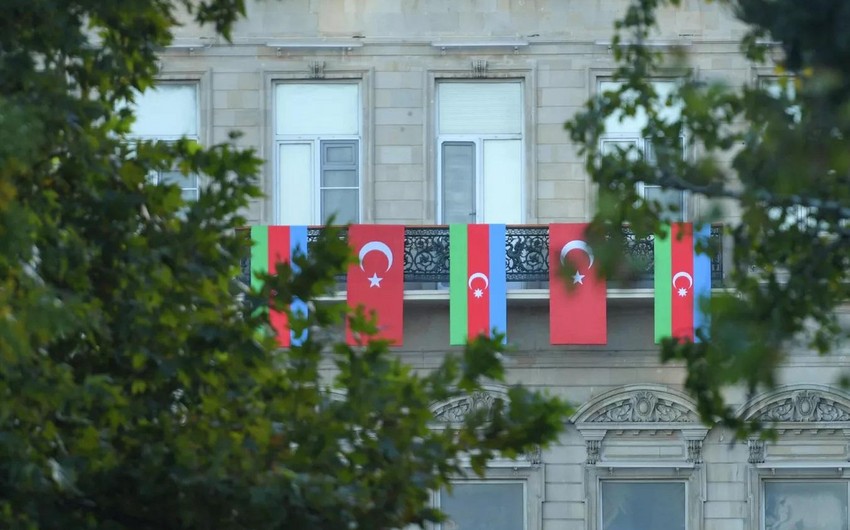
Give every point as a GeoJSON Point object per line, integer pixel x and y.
{"type": "Point", "coordinates": [169, 112]}
{"type": "Point", "coordinates": [317, 140]}
{"type": "Point", "coordinates": [805, 504]}
{"type": "Point", "coordinates": [484, 506]}
{"type": "Point", "coordinates": [627, 134]}
{"type": "Point", "coordinates": [642, 505]}
{"type": "Point", "coordinates": [480, 151]}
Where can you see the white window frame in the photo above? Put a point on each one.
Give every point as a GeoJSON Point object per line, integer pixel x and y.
{"type": "Point", "coordinates": [640, 143]}
{"type": "Point", "coordinates": [691, 476]}
{"type": "Point", "coordinates": [315, 141]}
{"type": "Point", "coordinates": [803, 473]}
{"type": "Point", "coordinates": [197, 82]}
{"type": "Point", "coordinates": [478, 140]}
{"type": "Point", "coordinates": [640, 480]}
{"type": "Point", "coordinates": [502, 472]}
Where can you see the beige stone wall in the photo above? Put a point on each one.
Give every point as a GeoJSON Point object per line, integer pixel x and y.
{"type": "Point", "coordinates": [394, 55]}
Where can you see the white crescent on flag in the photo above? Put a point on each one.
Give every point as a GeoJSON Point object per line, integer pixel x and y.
{"type": "Point", "coordinates": [376, 246]}
{"type": "Point", "coordinates": [682, 291]}
{"type": "Point", "coordinates": [479, 275]}
{"type": "Point", "coordinates": [683, 274]}
{"type": "Point", "coordinates": [577, 244]}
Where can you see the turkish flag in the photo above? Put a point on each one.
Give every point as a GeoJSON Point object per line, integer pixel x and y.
{"type": "Point", "coordinates": [577, 306]}
{"type": "Point", "coordinates": [376, 280]}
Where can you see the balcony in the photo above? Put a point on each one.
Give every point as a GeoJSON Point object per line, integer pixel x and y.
{"type": "Point", "coordinates": [426, 257]}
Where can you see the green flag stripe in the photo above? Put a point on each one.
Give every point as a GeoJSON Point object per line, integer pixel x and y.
{"type": "Point", "coordinates": [259, 254]}
{"type": "Point", "coordinates": [457, 284]}
{"type": "Point", "coordinates": [663, 287]}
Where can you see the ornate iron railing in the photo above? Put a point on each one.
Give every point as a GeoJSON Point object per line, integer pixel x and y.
{"type": "Point", "coordinates": [426, 254]}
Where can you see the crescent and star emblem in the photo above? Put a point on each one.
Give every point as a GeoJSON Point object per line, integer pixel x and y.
{"type": "Point", "coordinates": [577, 244]}
{"type": "Point", "coordinates": [375, 246]}
{"type": "Point", "coordinates": [683, 291]}
{"type": "Point", "coordinates": [478, 293]}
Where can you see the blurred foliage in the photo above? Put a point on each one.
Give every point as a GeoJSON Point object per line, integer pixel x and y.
{"type": "Point", "coordinates": [771, 157]}
{"type": "Point", "coordinates": [135, 391]}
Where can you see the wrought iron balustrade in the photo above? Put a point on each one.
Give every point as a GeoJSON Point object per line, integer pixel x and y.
{"type": "Point", "coordinates": [426, 254]}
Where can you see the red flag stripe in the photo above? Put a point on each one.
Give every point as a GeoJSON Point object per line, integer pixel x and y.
{"type": "Point", "coordinates": [478, 264]}
{"type": "Point", "coordinates": [278, 248]}
{"type": "Point", "coordinates": [682, 269]}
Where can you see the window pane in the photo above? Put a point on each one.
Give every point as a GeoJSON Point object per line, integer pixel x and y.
{"type": "Point", "coordinates": [480, 108]}
{"type": "Point", "coordinates": [502, 181]}
{"type": "Point", "coordinates": [167, 110]}
{"type": "Point", "coordinates": [341, 203]}
{"type": "Point", "coordinates": [339, 178]}
{"type": "Point", "coordinates": [317, 108]}
{"type": "Point", "coordinates": [296, 184]}
{"type": "Point", "coordinates": [619, 123]}
{"type": "Point", "coordinates": [611, 147]}
{"type": "Point", "coordinates": [805, 505]}
{"type": "Point", "coordinates": [178, 179]}
{"type": "Point", "coordinates": [671, 198]}
{"type": "Point", "coordinates": [340, 153]}
{"type": "Point", "coordinates": [643, 505]}
{"type": "Point", "coordinates": [458, 171]}
{"type": "Point", "coordinates": [484, 507]}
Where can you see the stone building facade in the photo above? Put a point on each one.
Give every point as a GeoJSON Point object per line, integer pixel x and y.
{"type": "Point", "coordinates": [423, 112]}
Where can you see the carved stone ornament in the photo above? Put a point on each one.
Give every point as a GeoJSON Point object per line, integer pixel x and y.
{"type": "Point", "coordinates": [756, 450]}
{"type": "Point", "coordinates": [695, 451]}
{"type": "Point", "coordinates": [804, 406]}
{"type": "Point", "coordinates": [643, 407]}
{"type": "Point", "coordinates": [593, 450]}
{"type": "Point", "coordinates": [456, 410]}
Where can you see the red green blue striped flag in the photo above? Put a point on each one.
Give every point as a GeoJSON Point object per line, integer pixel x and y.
{"type": "Point", "coordinates": [273, 245]}
{"type": "Point", "coordinates": [477, 281]}
{"type": "Point", "coordinates": [682, 282]}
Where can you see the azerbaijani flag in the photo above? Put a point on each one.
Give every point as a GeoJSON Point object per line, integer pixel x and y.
{"type": "Point", "coordinates": [477, 283]}
{"type": "Point", "coordinates": [273, 245]}
{"type": "Point", "coordinates": [682, 282]}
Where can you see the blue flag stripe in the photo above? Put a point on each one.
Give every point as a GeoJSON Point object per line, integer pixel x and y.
{"type": "Point", "coordinates": [702, 280]}
{"type": "Point", "coordinates": [297, 243]}
{"type": "Point", "coordinates": [498, 284]}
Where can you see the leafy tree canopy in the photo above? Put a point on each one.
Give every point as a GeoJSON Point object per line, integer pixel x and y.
{"type": "Point", "coordinates": [776, 157]}
{"type": "Point", "coordinates": [135, 390]}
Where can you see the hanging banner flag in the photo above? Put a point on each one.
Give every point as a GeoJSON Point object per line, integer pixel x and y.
{"type": "Point", "coordinates": [477, 282]}
{"type": "Point", "coordinates": [273, 245]}
{"type": "Point", "coordinates": [578, 305]}
{"type": "Point", "coordinates": [376, 281]}
{"type": "Point", "coordinates": [682, 282]}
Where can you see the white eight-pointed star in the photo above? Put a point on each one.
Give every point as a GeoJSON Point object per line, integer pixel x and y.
{"type": "Point", "coordinates": [683, 292]}
{"type": "Point", "coordinates": [374, 281]}
{"type": "Point", "coordinates": [478, 293]}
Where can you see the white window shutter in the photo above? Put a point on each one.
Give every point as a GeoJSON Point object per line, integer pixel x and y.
{"type": "Point", "coordinates": [316, 109]}
{"type": "Point", "coordinates": [480, 108]}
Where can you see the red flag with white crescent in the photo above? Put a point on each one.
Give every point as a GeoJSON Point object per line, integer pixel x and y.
{"type": "Point", "coordinates": [376, 279]}
{"type": "Point", "coordinates": [578, 305]}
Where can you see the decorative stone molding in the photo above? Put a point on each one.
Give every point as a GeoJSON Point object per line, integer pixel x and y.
{"type": "Point", "coordinates": [643, 406]}
{"type": "Point", "coordinates": [457, 409]}
{"type": "Point", "coordinates": [695, 451]}
{"type": "Point", "coordinates": [316, 69]}
{"type": "Point", "coordinates": [593, 447]}
{"type": "Point", "coordinates": [453, 412]}
{"type": "Point", "coordinates": [479, 68]}
{"type": "Point", "coordinates": [800, 406]}
{"type": "Point", "coordinates": [756, 450]}
{"type": "Point", "coordinates": [641, 409]}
